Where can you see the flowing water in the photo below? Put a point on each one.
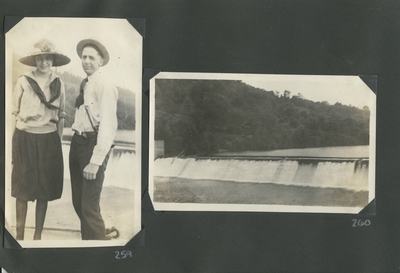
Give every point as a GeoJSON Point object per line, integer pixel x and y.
{"type": "Point", "coordinates": [121, 167]}
{"type": "Point", "coordinates": [350, 172]}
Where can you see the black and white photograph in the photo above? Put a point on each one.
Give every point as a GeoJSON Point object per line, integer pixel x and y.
{"type": "Point", "coordinates": [73, 128]}
{"type": "Point", "coordinates": [273, 143]}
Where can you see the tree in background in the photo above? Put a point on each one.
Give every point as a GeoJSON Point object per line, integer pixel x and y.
{"type": "Point", "coordinates": [125, 104]}
{"type": "Point", "coordinates": [203, 117]}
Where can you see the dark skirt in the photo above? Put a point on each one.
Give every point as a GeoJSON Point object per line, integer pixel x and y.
{"type": "Point", "coordinates": [38, 167]}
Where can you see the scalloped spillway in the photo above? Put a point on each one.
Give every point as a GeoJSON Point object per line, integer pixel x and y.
{"type": "Point", "coordinates": [349, 174]}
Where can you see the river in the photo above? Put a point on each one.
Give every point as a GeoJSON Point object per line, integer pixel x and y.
{"type": "Point", "coordinates": [361, 151]}
{"type": "Point", "coordinates": [333, 167]}
{"type": "Point", "coordinates": [121, 167]}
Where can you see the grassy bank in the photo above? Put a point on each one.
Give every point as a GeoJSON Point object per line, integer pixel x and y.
{"type": "Point", "coordinates": [178, 190]}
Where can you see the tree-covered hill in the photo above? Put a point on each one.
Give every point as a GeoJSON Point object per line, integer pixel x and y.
{"type": "Point", "coordinates": [206, 116]}
{"type": "Point", "coordinates": [126, 98]}
{"type": "Point", "coordinates": [125, 105]}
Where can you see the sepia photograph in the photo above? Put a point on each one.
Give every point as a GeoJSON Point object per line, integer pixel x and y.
{"type": "Point", "coordinates": [272, 143]}
{"type": "Point", "coordinates": [73, 132]}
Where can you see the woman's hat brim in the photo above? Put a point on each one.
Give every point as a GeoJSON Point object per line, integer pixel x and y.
{"type": "Point", "coordinates": [59, 59]}
{"type": "Point", "coordinates": [88, 42]}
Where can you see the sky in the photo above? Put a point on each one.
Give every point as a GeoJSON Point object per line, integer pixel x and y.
{"type": "Point", "coordinates": [122, 41]}
{"type": "Point", "coordinates": [347, 90]}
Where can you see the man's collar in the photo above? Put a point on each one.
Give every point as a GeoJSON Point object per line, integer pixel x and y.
{"type": "Point", "coordinates": [94, 75]}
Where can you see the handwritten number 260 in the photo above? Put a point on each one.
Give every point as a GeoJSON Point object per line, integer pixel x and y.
{"type": "Point", "coordinates": [361, 223]}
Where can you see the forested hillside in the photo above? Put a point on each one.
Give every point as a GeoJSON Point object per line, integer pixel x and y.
{"type": "Point", "coordinates": [126, 98]}
{"type": "Point", "coordinates": [125, 107]}
{"type": "Point", "coordinates": [206, 116]}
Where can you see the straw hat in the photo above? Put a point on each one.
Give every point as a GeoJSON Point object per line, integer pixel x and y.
{"type": "Point", "coordinates": [45, 47]}
{"type": "Point", "coordinates": [97, 45]}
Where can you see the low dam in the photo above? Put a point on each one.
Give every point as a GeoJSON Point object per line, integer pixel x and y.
{"type": "Point", "coordinates": [350, 174]}
{"type": "Point", "coordinates": [263, 180]}
{"type": "Point", "coordinates": [121, 167]}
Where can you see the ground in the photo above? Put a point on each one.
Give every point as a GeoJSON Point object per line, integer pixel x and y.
{"type": "Point", "coordinates": [178, 190]}
{"type": "Point", "coordinates": [62, 223]}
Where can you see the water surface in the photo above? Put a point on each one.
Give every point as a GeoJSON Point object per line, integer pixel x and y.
{"type": "Point", "coordinates": [361, 151]}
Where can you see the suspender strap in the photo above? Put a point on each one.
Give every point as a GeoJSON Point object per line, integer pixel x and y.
{"type": "Point", "coordinates": [90, 119]}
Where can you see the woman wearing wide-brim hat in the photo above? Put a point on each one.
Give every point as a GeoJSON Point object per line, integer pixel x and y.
{"type": "Point", "coordinates": [39, 110]}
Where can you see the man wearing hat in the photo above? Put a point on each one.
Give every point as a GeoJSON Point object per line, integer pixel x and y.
{"type": "Point", "coordinates": [95, 126]}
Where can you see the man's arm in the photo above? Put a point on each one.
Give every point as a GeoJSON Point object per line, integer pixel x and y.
{"type": "Point", "coordinates": [108, 96]}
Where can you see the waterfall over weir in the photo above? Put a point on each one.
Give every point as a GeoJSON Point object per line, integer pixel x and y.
{"type": "Point", "coordinates": [120, 167]}
{"type": "Point", "coordinates": [351, 174]}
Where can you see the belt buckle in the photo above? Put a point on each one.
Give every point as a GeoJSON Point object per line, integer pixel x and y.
{"type": "Point", "coordinates": [82, 134]}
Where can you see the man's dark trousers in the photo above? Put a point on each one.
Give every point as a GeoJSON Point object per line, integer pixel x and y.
{"type": "Point", "coordinates": [86, 193]}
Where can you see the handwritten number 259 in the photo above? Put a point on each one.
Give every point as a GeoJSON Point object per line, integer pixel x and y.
{"type": "Point", "coordinates": [123, 254]}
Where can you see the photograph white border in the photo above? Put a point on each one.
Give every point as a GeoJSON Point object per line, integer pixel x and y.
{"type": "Point", "coordinates": [350, 92]}
{"type": "Point", "coordinates": [126, 72]}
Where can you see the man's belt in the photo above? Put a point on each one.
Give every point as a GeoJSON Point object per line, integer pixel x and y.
{"type": "Point", "coordinates": [86, 134]}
